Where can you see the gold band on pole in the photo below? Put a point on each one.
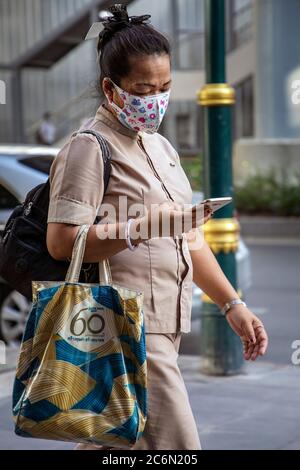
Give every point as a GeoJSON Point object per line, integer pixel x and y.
{"type": "Point", "coordinates": [216, 94]}
{"type": "Point", "coordinates": [222, 234]}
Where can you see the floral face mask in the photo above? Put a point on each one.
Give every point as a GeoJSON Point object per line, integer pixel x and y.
{"type": "Point", "coordinates": [141, 113]}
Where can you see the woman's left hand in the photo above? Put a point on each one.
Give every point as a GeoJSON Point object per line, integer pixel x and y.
{"type": "Point", "coordinates": [250, 329]}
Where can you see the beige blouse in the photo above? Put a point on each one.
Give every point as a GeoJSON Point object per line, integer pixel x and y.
{"type": "Point", "coordinates": [146, 169]}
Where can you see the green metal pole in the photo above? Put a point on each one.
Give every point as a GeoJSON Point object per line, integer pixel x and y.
{"type": "Point", "coordinates": [220, 346]}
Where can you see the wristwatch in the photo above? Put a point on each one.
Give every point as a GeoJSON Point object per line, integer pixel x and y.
{"type": "Point", "coordinates": [230, 304]}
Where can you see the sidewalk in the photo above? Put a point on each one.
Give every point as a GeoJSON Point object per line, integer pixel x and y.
{"type": "Point", "coordinates": [257, 410]}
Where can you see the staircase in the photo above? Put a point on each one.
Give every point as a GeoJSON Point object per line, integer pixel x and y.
{"type": "Point", "coordinates": [56, 73]}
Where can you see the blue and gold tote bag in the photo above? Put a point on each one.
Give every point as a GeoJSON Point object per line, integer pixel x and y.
{"type": "Point", "coordinates": [81, 374]}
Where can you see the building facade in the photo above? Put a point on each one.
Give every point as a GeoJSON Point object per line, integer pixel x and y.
{"type": "Point", "coordinates": [67, 87]}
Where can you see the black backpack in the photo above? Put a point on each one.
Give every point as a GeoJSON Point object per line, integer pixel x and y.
{"type": "Point", "coordinates": [23, 250]}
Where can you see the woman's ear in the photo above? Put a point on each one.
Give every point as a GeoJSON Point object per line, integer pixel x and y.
{"type": "Point", "coordinates": [112, 94]}
{"type": "Point", "coordinates": [107, 88]}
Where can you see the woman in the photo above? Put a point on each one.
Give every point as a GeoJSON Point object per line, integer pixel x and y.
{"type": "Point", "coordinates": [136, 80]}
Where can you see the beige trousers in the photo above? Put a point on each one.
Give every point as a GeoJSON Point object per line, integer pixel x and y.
{"type": "Point", "coordinates": [170, 424]}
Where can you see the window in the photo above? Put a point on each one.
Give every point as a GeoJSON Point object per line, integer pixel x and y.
{"type": "Point", "coordinates": [244, 109]}
{"type": "Point", "coordinates": [183, 131]}
{"type": "Point", "coordinates": [38, 162]}
{"type": "Point", "coordinates": [188, 34]}
{"type": "Point", "coordinates": [240, 22]}
{"type": "Point", "coordinates": [183, 126]}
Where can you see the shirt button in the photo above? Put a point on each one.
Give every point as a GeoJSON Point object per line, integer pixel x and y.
{"type": "Point", "coordinates": [172, 164]}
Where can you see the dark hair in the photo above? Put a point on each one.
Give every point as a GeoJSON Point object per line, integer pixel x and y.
{"type": "Point", "coordinates": [124, 37]}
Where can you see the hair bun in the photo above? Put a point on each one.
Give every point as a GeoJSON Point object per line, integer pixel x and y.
{"type": "Point", "coordinates": [119, 11]}
{"type": "Point", "coordinates": [118, 21]}
{"type": "Point", "coordinates": [120, 16]}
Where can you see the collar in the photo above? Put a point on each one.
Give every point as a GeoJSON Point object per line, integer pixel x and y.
{"type": "Point", "coordinates": [112, 121]}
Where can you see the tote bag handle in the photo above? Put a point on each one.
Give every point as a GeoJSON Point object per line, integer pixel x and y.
{"type": "Point", "coordinates": [73, 272]}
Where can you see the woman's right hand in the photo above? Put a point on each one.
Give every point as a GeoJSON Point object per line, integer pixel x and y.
{"type": "Point", "coordinates": [168, 219]}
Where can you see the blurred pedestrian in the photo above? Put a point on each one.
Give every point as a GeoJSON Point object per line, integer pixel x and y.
{"type": "Point", "coordinates": [46, 133]}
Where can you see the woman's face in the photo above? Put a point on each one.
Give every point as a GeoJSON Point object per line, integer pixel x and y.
{"type": "Point", "coordinates": [149, 75]}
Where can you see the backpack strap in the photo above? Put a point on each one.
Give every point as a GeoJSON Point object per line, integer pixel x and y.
{"type": "Point", "coordinates": [106, 155]}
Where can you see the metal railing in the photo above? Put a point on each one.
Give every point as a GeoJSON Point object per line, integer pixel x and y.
{"type": "Point", "coordinates": [69, 116]}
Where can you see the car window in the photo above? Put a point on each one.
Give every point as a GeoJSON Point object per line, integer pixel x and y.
{"type": "Point", "coordinates": [38, 162]}
{"type": "Point", "coordinates": [7, 200]}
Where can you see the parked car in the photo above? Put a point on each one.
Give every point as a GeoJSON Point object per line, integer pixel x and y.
{"type": "Point", "coordinates": [22, 168]}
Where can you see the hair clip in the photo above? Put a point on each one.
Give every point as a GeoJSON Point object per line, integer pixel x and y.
{"type": "Point", "coordinates": [94, 30]}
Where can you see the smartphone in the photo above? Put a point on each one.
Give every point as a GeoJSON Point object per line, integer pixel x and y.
{"type": "Point", "coordinates": [215, 203]}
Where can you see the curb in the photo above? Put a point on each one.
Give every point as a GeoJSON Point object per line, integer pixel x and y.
{"type": "Point", "coordinates": [271, 227]}
{"type": "Point", "coordinates": [12, 355]}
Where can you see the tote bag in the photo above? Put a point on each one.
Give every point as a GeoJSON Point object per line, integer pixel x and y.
{"type": "Point", "coordinates": [82, 372]}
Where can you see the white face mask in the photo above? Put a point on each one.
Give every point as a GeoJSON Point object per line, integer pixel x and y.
{"type": "Point", "coordinates": [141, 113]}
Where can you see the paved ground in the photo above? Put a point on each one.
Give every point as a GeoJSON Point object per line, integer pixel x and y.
{"type": "Point", "coordinates": [274, 296]}
{"type": "Point", "coordinates": [259, 409]}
